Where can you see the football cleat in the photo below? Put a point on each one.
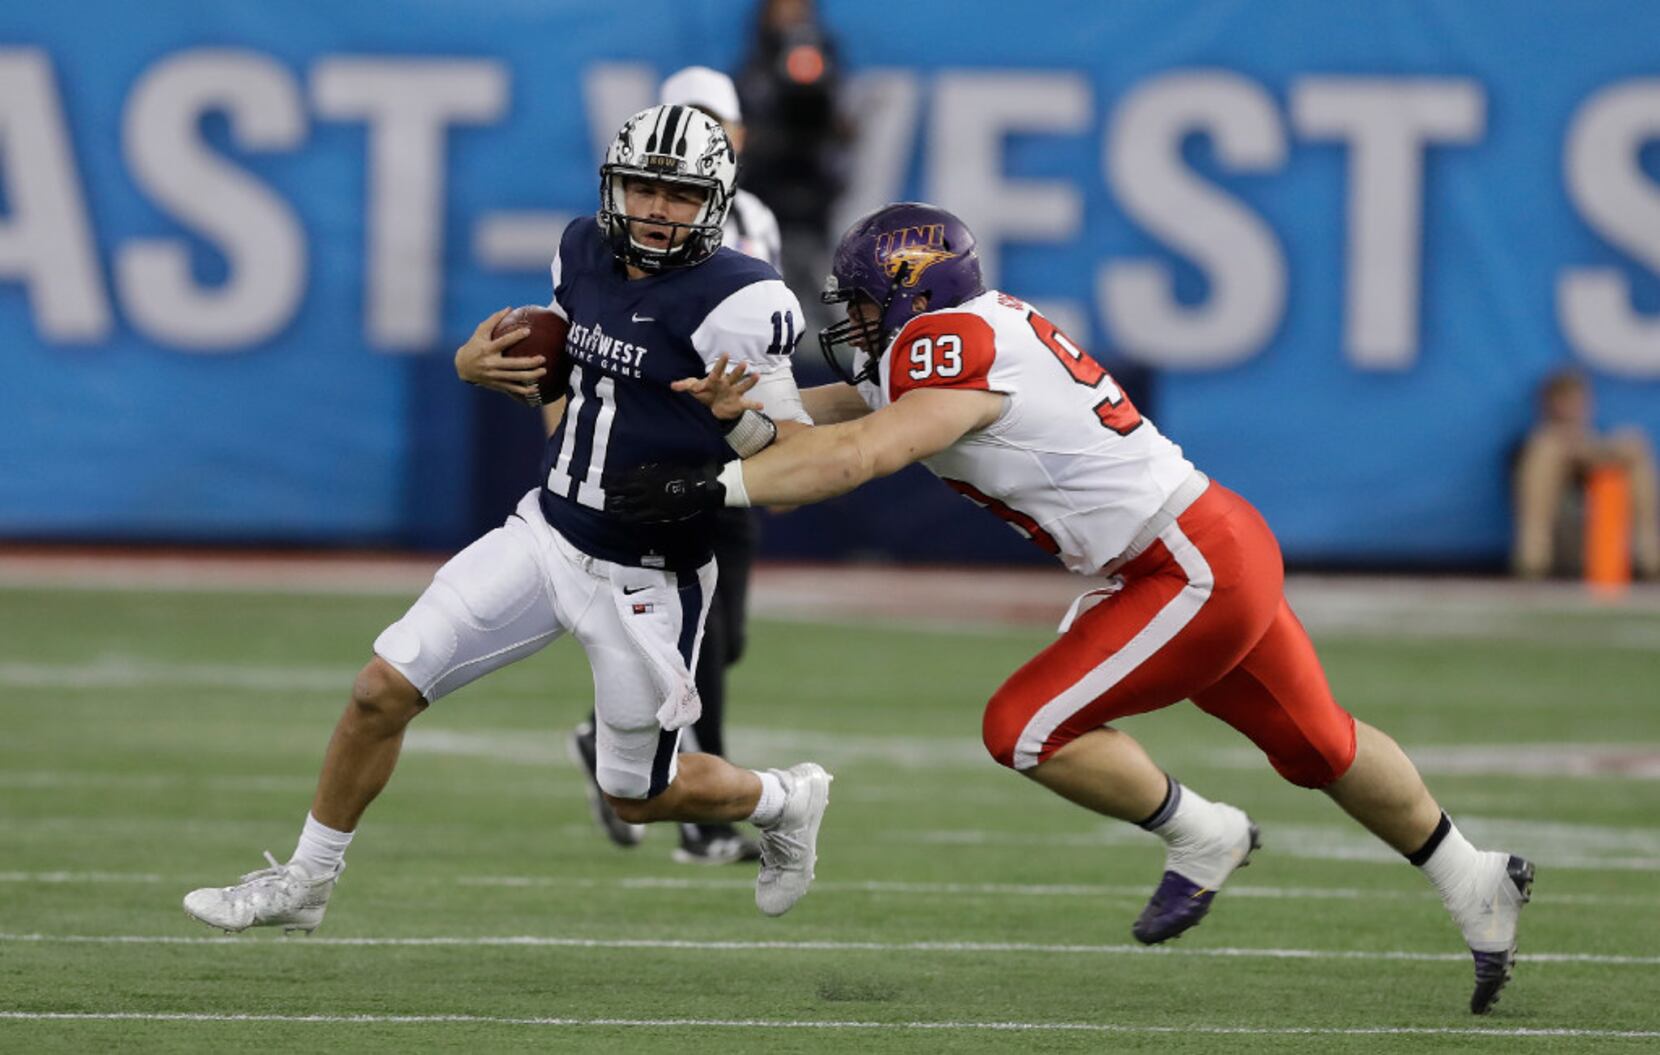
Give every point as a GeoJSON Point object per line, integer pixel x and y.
{"type": "Point", "coordinates": [1180, 902]}
{"type": "Point", "coordinates": [586, 756]}
{"type": "Point", "coordinates": [789, 848]}
{"type": "Point", "coordinates": [714, 844]}
{"type": "Point", "coordinates": [1491, 931]}
{"type": "Point", "coordinates": [282, 895]}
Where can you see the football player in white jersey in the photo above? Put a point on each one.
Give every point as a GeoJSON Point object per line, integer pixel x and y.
{"type": "Point", "coordinates": [750, 229]}
{"type": "Point", "coordinates": [650, 296]}
{"type": "Point", "coordinates": [1189, 602]}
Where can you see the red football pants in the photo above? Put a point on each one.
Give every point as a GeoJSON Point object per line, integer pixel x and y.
{"type": "Point", "coordinates": [1202, 616]}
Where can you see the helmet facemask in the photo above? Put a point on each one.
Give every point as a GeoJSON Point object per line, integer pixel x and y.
{"type": "Point", "coordinates": [858, 333]}
{"type": "Point", "coordinates": [701, 236]}
{"type": "Point", "coordinates": [675, 145]}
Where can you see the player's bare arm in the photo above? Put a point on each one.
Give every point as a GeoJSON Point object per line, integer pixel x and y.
{"type": "Point", "coordinates": [832, 460]}
{"type": "Point", "coordinates": [485, 361]}
{"type": "Point", "coordinates": [821, 462]}
{"type": "Point", "coordinates": [834, 403]}
{"type": "Point", "coordinates": [722, 391]}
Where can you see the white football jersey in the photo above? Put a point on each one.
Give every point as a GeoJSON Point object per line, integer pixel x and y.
{"type": "Point", "coordinates": [752, 229]}
{"type": "Point", "coordinates": [1070, 464]}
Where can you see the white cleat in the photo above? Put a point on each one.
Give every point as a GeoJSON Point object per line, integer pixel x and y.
{"type": "Point", "coordinates": [790, 847]}
{"type": "Point", "coordinates": [281, 895]}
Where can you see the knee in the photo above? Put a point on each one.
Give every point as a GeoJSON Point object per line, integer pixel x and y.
{"type": "Point", "coordinates": [629, 796]}
{"type": "Point", "coordinates": [383, 697]}
{"type": "Point", "coordinates": [1631, 447]}
{"type": "Point", "coordinates": [1000, 728]}
{"type": "Point", "coordinates": [1320, 760]}
{"type": "Point", "coordinates": [623, 790]}
{"type": "Point", "coordinates": [630, 811]}
{"type": "Point", "coordinates": [1546, 462]}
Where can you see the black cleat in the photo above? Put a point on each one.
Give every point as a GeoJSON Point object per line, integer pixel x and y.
{"type": "Point", "coordinates": [1493, 969]}
{"type": "Point", "coordinates": [714, 844]}
{"type": "Point", "coordinates": [584, 754]}
{"type": "Point", "coordinates": [1179, 903]}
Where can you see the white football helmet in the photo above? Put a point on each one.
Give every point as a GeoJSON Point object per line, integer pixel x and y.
{"type": "Point", "coordinates": [674, 144]}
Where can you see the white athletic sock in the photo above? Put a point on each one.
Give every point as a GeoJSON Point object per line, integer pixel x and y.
{"type": "Point", "coordinates": [1454, 868]}
{"type": "Point", "coordinates": [1203, 839]}
{"type": "Point", "coordinates": [771, 805]}
{"type": "Point", "coordinates": [322, 850]}
{"type": "Point", "coordinates": [1194, 819]}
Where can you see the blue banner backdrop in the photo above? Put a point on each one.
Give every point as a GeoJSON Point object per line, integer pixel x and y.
{"type": "Point", "coordinates": [239, 243]}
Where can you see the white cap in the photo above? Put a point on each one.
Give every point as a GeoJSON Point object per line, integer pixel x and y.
{"type": "Point", "coordinates": [703, 87]}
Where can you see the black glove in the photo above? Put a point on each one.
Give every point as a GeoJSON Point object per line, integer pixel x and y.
{"type": "Point", "coordinates": [655, 492]}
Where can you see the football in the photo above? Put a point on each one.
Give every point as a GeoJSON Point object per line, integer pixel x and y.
{"type": "Point", "coordinates": [547, 339]}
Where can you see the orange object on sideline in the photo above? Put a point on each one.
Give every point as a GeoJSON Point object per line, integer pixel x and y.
{"type": "Point", "coordinates": [1608, 530]}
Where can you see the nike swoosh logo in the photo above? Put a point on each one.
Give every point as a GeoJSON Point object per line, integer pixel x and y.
{"type": "Point", "coordinates": [638, 589]}
{"type": "Point", "coordinates": [642, 318]}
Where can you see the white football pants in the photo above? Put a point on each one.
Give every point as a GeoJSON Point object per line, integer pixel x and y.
{"type": "Point", "coordinates": [521, 586]}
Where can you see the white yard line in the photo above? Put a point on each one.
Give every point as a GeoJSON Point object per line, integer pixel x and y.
{"type": "Point", "coordinates": [1023, 890]}
{"type": "Point", "coordinates": [539, 941]}
{"type": "Point", "coordinates": [110, 672]}
{"type": "Point", "coordinates": [539, 785]}
{"type": "Point", "coordinates": [1554, 847]}
{"type": "Point", "coordinates": [208, 572]}
{"type": "Point", "coordinates": [863, 886]}
{"type": "Point", "coordinates": [1320, 842]}
{"type": "Point", "coordinates": [830, 1024]}
{"type": "Point", "coordinates": [1530, 761]}
{"type": "Point", "coordinates": [987, 596]}
{"type": "Point", "coordinates": [82, 877]}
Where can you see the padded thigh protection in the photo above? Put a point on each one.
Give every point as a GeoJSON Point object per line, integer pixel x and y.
{"type": "Point", "coordinates": [488, 606]}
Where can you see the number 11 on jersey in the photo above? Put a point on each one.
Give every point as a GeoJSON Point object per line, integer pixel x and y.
{"type": "Point", "coordinates": [587, 424]}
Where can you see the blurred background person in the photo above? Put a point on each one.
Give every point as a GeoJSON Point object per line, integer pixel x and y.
{"type": "Point", "coordinates": [750, 228]}
{"type": "Point", "coordinates": [1557, 456]}
{"type": "Point", "coordinates": [799, 145]}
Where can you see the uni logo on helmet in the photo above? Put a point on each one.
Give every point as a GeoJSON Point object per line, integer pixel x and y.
{"type": "Point", "coordinates": [906, 252]}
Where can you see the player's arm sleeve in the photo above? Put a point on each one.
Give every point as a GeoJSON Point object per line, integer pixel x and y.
{"type": "Point", "coordinates": [758, 326]}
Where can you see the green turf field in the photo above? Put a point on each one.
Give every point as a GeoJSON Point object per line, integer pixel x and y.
{"type": "Point", "coordinates": [151, 742]}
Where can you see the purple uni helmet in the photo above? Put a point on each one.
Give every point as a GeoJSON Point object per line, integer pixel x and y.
{"type": "Point", "coordinates": [892, 257]}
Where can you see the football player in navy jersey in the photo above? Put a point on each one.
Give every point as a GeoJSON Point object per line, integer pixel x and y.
{"type": "Point", "coordinates": [751, 229]}
{"type": "Point", "coordinates": [651, 297]}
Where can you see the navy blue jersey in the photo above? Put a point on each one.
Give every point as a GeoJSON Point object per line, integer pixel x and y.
{"type": "Point", "coordinates": [629, 339]}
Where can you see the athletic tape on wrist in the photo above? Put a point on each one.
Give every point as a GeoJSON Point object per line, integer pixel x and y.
{"type": "Point", "coordinates": [751, 434]}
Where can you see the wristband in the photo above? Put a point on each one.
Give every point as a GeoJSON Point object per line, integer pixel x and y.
{"type": "Point", "coordinates": [731, 477]}
{"type": "Point", "coordinates": [750, 433]}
